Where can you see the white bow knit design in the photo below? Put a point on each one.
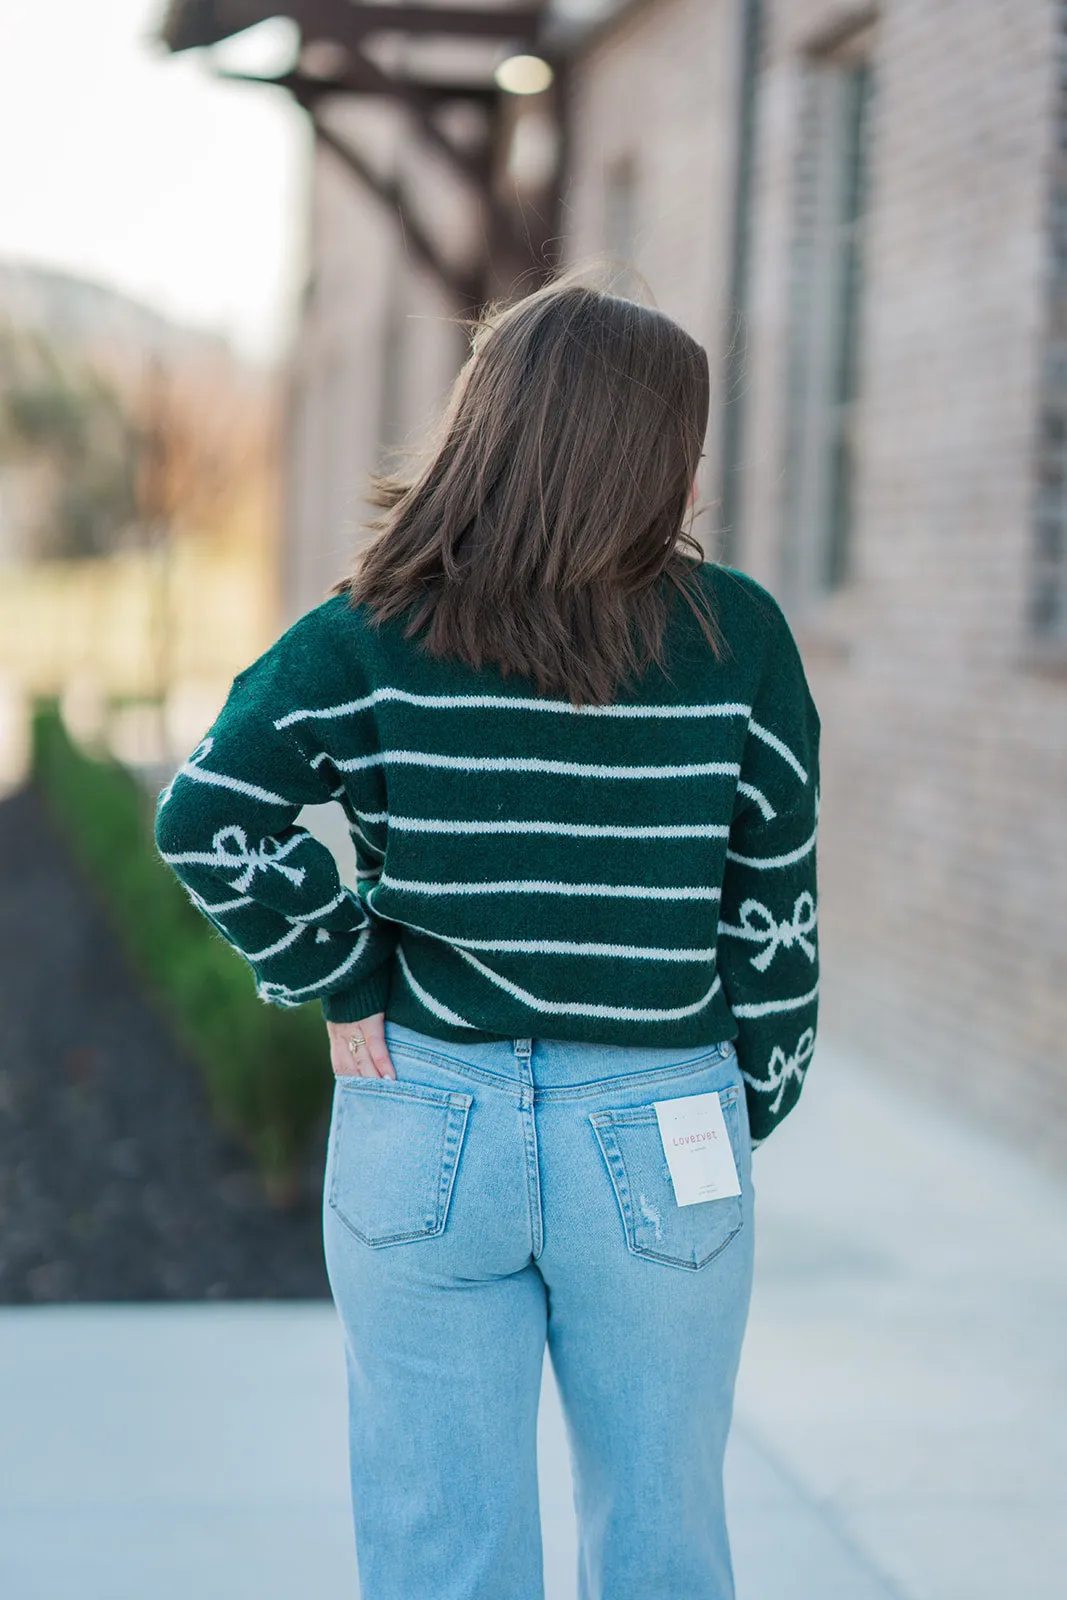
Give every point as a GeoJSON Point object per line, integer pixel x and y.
{"type": "Point", "coordinates": [759, 924]}
{"type": "Point", "coordinates": [783, 1067]}
{"type": "Point", "coordinates": [232, 851]}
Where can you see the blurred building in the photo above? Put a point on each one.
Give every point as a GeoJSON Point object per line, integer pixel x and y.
{"type": "Point", "coordinates": [860, 210]}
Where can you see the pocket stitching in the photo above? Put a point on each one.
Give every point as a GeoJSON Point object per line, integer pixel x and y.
{"type": "Point", "coordinates": [456, 1107]}
{"type": "Point", "coordinates": [401, 1047]}
{"type": "Point", "coordinates": [637, 1116]}
{"type": "Point", "coordinates": [603, 1129]}
{"type": "Point", "coordinates": [403, 1090]}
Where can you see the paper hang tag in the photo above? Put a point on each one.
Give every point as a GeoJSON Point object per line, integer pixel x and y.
{"type": "Point", "coordinates": [697, 1147]}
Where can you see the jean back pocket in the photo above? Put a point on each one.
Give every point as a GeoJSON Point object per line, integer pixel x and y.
{"type": "Point", "coordinates": [656, 1225]}
{"type": "Point", "coordinates": [394, 1156]}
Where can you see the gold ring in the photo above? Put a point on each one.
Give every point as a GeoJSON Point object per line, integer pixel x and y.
{"type": "Point", "coordinates": [354, 1044]}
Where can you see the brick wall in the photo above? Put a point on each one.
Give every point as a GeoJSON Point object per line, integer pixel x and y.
{"type": "Point", "coordinates": [943, 846]}
{"type": "Point", "coordinates": [943, 850]}
{"type": "Point", "coordinates": [660, 89]}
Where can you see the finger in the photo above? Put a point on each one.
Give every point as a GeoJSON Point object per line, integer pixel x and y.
{"type": "Point", "coordinates": [364, 1062]}
{"type": "Point", "coordinates": [350, 1063]}
{"type": "Point", "coordinates": [373, 1030]}
{"type": "Point", "coordinates": [378, 1051]}
{"type": "Point", "coordinates": [341, 1059]}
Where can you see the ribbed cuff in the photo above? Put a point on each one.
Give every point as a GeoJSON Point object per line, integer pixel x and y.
{"type": "Point", "coordinates": [359, 1000]}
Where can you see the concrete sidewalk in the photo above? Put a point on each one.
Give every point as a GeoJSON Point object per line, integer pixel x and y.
{"type": "Point", "coordinates": [901, 1416]}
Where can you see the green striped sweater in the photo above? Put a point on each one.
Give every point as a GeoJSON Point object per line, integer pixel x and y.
{"type": "Point", "coordinates": [641, 873]}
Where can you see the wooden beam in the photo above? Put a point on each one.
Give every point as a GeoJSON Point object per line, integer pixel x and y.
{"type": "Point", "coordinates": [363, 77]}
{"type": "Point", "coordinates": [473, 169]}
{"type": "Point", "coordinates": [431, 91]}
{"type": "Point", "coordinates": [465, 21]}
{"type": "Point", "coordinates": [366, 77]}
{"type": "Point", "coordinates": [194, 24]}
{"type": "Point", "coordinates": [465, 288]}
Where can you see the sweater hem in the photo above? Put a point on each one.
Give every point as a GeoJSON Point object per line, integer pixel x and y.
{"type": "Point", "coordinates": [406, 1010]}
{"type": "Point", "coordinates": [359, 1000]}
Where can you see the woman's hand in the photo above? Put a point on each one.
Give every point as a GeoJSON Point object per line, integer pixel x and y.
{"type": "Point", "coordinates": [370, 1059]}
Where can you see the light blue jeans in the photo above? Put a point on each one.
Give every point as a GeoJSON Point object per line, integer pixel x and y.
{"type": "Point", "coordinates": [495, 1195]}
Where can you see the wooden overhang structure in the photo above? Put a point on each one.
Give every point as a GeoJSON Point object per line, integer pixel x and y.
{"type": "Point", "coordinates": [340, 54]}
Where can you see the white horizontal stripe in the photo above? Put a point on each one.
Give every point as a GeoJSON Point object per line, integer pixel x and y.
{"type": "Point", "coordinates": [312, 988]}
{"type": "Point", "coordinates": [767, 863]}
{"type": "Point", "coordinates": [579, 1008]}
{"type": "Point", "coordinates": [221, 905]}
{"type": "Point", "coordinates": [782, 748]}
{"type": "Point", "coordinates": [571, 830]}
{"type": "Point", "coordinates": [274, 949]}
{"type": "Point", "coordinates": [760, 799]}
{"type": "Point", "coordinates": [553, 947]}
{"type": "Point", "coordinates": [576, 769]}
{"type": "Point", "coordinates": [501, 702]}
{"type": "Point", "coordinates": [579, 947]}
{"type": "Point", "coordinates": [220, 780]}
{"type": "Point", "coordinates": [360, 838]}
{"type": "Point", "coordinates": [566, 947]}
{"type": "Point", "coordinates": [631, 891]}
{"type": "Point", "coordinates": [766, 1007]}
{"type": "Point", "coordinates": [320, 911]}
{"type": "Point", "coordinates": [439, 1010]}
{"type": "Point", "coordinates": [196, 858]}
{"type": "Point", "coordinates": [371, 816]}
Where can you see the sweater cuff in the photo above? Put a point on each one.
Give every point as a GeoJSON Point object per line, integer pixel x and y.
{"type": "Point", "coordinates": [359, 1000]}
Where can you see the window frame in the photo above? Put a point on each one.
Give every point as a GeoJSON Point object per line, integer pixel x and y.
{"type": "Point", "coordinates": [1046, 597]}
{"type": "Point", "coordinates": [824, 384]}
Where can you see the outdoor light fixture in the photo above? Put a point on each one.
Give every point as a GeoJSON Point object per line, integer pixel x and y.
{"type": "Point", "coordinates": [323, 59]}
{"type": "Point", "coordinates": [523, 75]}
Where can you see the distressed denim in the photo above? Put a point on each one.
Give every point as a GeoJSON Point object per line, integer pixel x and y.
{"type": "Point", "coordinates": [496, 1195]}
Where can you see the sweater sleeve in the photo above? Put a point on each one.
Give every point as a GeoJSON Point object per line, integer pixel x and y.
{"type": "Point", "coordinates": [768, 951]}
{"type": "Point", "coordinates": [226, 827]}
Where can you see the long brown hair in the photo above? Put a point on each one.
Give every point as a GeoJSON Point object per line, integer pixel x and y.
{"type": "Point", "coordinates": [545, 530]}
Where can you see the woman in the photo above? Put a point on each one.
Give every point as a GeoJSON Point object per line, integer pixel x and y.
{"type": "Point", "coordinates": [578, 981]}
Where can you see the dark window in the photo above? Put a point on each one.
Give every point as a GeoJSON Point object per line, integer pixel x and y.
{"type": "Point", "coordinates": [1048, 586]}
{"type": "Point", "coordinates": [826, 302]}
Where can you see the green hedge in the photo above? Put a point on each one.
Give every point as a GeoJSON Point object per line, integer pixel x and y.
{"type": "Point", "coordinates": [267, 1070]}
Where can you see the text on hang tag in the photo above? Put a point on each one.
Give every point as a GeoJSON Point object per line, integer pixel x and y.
{"type": "Point", "coordinates": [697, 1147]}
